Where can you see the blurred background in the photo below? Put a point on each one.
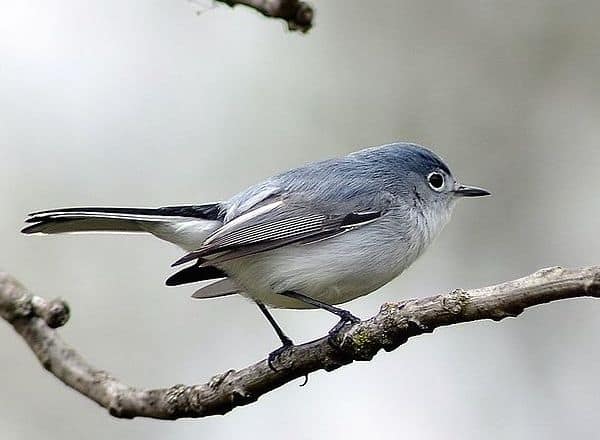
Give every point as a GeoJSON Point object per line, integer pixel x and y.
{"type": "Point", "coordinates": [149, 103]}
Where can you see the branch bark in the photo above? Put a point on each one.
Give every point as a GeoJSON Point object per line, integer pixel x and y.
{"type": "Point", "coordinates": [35, 319]}
{"type": "Point", "coordinates": [298, 14]}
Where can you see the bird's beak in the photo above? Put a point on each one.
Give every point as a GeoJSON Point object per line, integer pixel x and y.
{"type": "Point", "coordinates": [470, 191]}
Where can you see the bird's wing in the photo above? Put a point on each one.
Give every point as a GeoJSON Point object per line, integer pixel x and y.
{"type": "Point", "coordinates": [277, 223]}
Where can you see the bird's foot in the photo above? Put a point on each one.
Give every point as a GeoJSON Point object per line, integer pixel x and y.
{"type": "Point", "coordinates": [274, 356]}
{"type": "Point", "coordinates": [345, 318]}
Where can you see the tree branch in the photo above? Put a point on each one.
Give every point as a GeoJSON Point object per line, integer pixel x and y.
{"type": "Point", "coordinates": [298, 14]}
{"type": "Point", "coordinates": [35, 319]}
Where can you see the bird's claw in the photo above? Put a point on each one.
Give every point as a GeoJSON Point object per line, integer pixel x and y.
{"type": "Point", "coordinates": [276, 354]}
{"type": "Point", "coordinates": [345, 318]}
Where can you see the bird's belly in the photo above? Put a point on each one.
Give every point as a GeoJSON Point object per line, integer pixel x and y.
{"type": "Point", "coordinates": [332, 271]}
{"type": "Point", "coordinates": [262, 282]}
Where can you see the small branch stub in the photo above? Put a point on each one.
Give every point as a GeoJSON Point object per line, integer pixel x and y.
{"type": "Point", "coordinates": [35, 319]}
{"type": "Point", "coordinates": [55, 312]}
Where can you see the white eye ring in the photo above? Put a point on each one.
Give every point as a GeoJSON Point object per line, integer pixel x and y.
{"type": "Point", "coordinates": [436, 181]}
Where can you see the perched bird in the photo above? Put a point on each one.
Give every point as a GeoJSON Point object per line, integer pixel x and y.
{"type": "Point", "coordinates": [312, 237]}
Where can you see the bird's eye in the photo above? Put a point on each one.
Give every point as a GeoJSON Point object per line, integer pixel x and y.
{"type": "Point", "coordinates": [435, 180]}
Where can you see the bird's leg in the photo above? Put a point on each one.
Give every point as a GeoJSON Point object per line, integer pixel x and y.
{"type": "Point", "coordinates": [282, 336]}
{"type": "Point", "coordinates": [345, 315]}
{"type": "Point", "coordinates": [286, 342]}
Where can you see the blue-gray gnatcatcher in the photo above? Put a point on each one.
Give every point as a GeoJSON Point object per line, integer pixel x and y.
{"type": "Point", "coordinates": [318, 235]}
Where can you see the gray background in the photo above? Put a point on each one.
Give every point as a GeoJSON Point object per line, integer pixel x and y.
{"type": "Point", "coordinates": [148, 103]}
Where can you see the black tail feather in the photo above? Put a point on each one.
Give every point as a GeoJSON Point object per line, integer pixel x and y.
{"type": "Point", "coordinates": [207, 211]}
{"type": "Point", "coordinates": [195, 273]}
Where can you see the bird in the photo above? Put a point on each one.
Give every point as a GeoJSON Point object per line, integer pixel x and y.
{"type": "Point", "coordinates": [313, 237]}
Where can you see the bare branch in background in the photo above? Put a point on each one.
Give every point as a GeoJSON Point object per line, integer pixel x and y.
{"type": "Point", "coordinates": [298, 14]}
{"type": "Point", "coordinates": [35, 319]}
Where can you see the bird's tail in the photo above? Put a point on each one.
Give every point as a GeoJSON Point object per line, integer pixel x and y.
{"type": "Point", "coordinates": [186, 226]}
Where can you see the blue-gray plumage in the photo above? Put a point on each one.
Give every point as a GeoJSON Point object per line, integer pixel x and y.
{"type": "Point", "coordinates": [318, 235]}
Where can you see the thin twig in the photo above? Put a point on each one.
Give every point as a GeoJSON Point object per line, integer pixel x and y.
{"type": "Point", "coordinates": [298, 14]}
{"type": "Point", "coordinates": [34, 318]}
